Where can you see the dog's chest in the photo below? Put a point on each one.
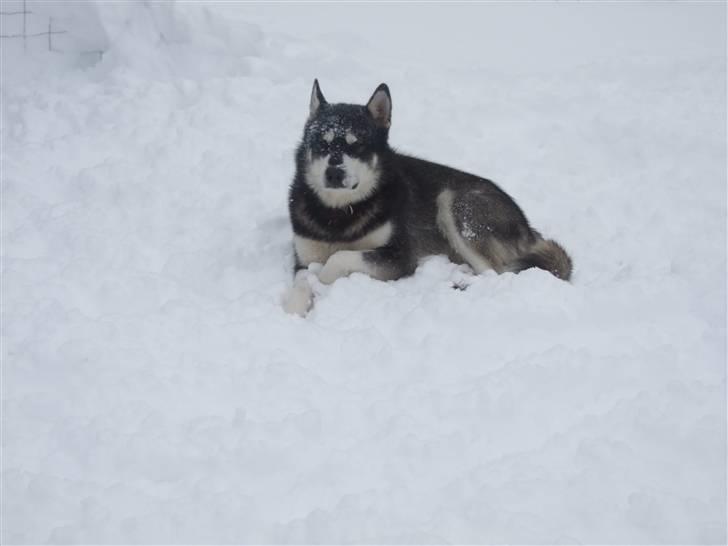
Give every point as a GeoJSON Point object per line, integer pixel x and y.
{"type": "Point", "coordinates": [313, 251]}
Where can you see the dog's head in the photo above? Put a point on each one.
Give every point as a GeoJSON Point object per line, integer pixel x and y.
{"type": "Point", "coordinates": [342, 145]}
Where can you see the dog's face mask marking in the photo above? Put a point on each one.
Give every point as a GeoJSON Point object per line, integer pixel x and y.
{"type": "Point", "coordinates": [341, 143]}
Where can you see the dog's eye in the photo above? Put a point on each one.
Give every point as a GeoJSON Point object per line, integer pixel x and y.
{"type": "Point", "coordinates": [321, 145]}
{"type": "Point", "coordinates": [356, 148]}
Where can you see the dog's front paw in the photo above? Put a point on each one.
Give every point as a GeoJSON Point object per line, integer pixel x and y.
{"type": "Point", "coordinates": [299, 299]}
{"type": "Point", "coordinates": [340, 264]}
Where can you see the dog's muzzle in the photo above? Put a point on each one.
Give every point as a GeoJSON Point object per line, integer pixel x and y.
{"type": "Point", "coordinates": [335, 177]}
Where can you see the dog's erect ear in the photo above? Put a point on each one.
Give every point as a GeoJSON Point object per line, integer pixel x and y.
{"type": "Point", "coordinates": [380, 106]}
{"type": "Point", "coordinates": [317, 98]}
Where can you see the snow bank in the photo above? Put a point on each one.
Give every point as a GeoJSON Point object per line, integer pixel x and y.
{"type": "Point", "coordinates": [155, 392]}
{"type": "Point", "coordinates": [155, 40]}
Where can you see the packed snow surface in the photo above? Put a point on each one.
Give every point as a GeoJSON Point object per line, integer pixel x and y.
{"type": "Point", "coordinates": [153, 389]}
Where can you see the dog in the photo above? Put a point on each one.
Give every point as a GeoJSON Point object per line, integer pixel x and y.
{"type": "Point", "coordinates": [357, 205]}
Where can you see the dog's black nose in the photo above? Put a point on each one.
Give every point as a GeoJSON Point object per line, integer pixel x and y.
{"type": "Point", "coordinates": [334, 178]}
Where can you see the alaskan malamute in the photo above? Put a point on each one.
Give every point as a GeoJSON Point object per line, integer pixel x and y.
{"type": "Point", "coordinates": [356, 205]}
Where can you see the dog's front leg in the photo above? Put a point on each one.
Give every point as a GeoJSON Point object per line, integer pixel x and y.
{"type": "Point", "coordinates": [380, 264]}
{"type": "Point", "coordinates": [299, 299]}
{"type": "Point", "coordinates": [343, 263]}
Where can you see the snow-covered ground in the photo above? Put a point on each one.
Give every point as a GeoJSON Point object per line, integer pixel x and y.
{"type": "Point", "coordinates": [155, 392]}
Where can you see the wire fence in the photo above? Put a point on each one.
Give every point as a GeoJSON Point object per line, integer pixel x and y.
{"type": "Point", "coordinates": [49, 33]}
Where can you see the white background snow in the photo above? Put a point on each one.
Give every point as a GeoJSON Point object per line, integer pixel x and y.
{"type": "Point", "coordinates": [153, 389]}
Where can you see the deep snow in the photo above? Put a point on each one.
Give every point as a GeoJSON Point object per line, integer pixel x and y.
{"type": "Point", "coordinates": [153, 389]}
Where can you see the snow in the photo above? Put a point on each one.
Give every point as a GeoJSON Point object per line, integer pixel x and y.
{"type": "Point", "coordinates": [154, 391]}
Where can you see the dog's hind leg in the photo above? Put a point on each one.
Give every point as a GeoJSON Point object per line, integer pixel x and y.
{"type": "Point", "coordinates": [484, 227]}
{"type": "Point", "coordinates": [459, 241]}
{"type": "Point", "coordinates": [488, 231]}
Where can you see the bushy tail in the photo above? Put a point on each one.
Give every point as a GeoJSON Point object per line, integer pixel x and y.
{"type": "Point", "coordinates": [549, 255]}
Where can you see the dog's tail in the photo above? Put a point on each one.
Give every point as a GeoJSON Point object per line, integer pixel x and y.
{"type": "Point", "coordinates": [548, 255]}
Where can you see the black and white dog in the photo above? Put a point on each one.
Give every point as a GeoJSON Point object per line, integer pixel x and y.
{"type": "Point", "coordinates": [356, 205]}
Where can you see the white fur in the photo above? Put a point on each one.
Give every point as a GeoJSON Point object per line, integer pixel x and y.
{"type": "Point", "coordinates": [311, 251]}
{"type": "Point", "coordinates": [343, 263]}
{"type": "Point", "coordinates": [446, 222]}
{"type": "Point", "coordinates": [360, 180]}
{"type": "Point", "coordinates": [328, 136]}
{"type": "Point", "coordinates": [299, 298]}
{"type": "Point", "coordinates": [316, 170]}
{"type": "Point", "coordinates": [340, 259]}
{"type": "Point", "coordinates": [350, 138]}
